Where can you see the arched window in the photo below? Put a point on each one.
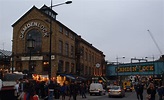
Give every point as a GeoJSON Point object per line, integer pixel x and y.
{"type": "Point", "coordinates": [37, 37]}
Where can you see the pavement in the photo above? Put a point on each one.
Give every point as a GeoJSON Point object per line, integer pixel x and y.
{"type": "Point", "coordinates": [79, 97]}
{"type": "Point", "coordinates": [131, 96]}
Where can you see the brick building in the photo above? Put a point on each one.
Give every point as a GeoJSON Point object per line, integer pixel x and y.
{"type": "Point", "coordinates": [70, 53]}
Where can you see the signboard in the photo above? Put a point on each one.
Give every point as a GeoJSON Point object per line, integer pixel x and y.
{"type": "Point", "coordinates": [143, 68]}
{"type": "Point", "coordinates": [32, 58]}
{"type": "Point", "coordinates": [36, 58]}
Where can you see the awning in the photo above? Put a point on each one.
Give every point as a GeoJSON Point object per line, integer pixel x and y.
{"type": "Point", "coordinates": [103, 79]}
{"type": "Point", "coordinates": [71, 77]}
{"type": "Point", "coordinates": [81, 78]}
{"type": "Point", "coordinates": [68, 76]}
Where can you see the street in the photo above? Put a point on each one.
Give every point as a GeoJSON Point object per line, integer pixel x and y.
{"type": "Point", "coordinates": [128, 96]}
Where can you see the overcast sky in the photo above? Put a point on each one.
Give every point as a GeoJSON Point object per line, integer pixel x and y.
{"type": "Point", "coordinates": [116, 27]}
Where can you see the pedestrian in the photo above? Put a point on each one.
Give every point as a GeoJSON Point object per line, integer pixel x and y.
{"type": "Point", "coordinates": [21, 89]}
{"type": "Point", "coordinates": [139, 90]}
{"type": "Point", "coordinates": [51, 87]}
{"type": "Point", "coordinates": [16, 87]}
{"type": "Point", "coordinates": [70, 88]}
{"type": "Point", "coordinates": [83, 89]}
{"type": "Point", "coordinates": [160, 91]}
{"type": "Point", "coordinates": [44, 90]}
{"type": "Point", "coordinates": [63, 89]}
{"type": "Point", "coordinates": [151, 91]}
{"type": "Point", "coordinates": [57, 90]}
{"type": "Point", "coordinates": [73, 89]}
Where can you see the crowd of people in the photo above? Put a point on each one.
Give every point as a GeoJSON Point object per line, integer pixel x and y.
{"type": "Point", "coordinates": [151, 91]}
{"type": "Point", "coordinates": [33, 90]}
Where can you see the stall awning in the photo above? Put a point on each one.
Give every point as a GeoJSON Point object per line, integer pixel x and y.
{"type": "Point", "coordinates": [68, 76]}
{"type": "Point", "coordinates": [103, 79]}
{"type": "Point", "coordinates": [73, 77]}
{"type": "Point", "coordinates": [81, 78]}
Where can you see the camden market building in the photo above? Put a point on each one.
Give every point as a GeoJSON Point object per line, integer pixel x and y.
{"type": "Point", "coordinates": [70, 54]}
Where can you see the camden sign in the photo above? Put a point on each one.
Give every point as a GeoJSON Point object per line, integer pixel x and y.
{"type": "Point", "coordinates": [33, 24]}
{"type": "Point", "coordinates": [141, 68]}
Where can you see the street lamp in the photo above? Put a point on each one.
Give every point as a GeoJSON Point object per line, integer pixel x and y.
{"type": "Point", "coordinates": [117, 65]}
{"type": "Point", "coordinates": [50, 37]}
{"type": "Point", "coordinates": [30, 46]}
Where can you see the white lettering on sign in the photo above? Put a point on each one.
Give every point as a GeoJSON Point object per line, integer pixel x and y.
{"type": "Point", "coordinates": [32, 58]}
{"type": "Point", "coordinates": [33, 24]}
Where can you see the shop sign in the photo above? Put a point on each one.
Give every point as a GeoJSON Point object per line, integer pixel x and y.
{"type": "Point", "coordinates": [145, 68]}
{"type": "Point", "coordinates": [32, 58]}
{"type": "Point", "coordinates": [33, 24]}
{"type": "Point", "coordinates": [95, 78]}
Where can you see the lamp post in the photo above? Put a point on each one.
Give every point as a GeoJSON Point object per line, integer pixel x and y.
{"type": "Point", "coordinates": [12, 62]}
{"type": "Point", "coordinates": [30, 46]}
{"type": "Point", "coordinates": [117, 66]}
{"type": "Point", "coordinates": [50, 37]}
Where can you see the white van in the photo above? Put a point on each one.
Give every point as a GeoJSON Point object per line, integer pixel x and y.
{"type": "Point", "coordinates": [97, 89]}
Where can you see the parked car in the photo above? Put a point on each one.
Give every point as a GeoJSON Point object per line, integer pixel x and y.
{"type": "Point", "coordinates": [97, 89]}
{"type": "Point", "coordinates": [116, 91]}
{"type": "Point", "coordinates": [128, 88]}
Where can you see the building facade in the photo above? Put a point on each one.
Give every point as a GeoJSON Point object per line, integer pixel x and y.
{"type": "Point", "coordinates": [5, 57]}
{"type": "Point", "coordinates": [70, 54]}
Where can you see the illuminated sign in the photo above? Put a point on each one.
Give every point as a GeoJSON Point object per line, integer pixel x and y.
{"type": "Point", "coordinates": [137, 68]}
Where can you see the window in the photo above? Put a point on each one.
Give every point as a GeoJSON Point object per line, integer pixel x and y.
{"type": "Point", "coordinates": [66, 33]}
{"type": "Point", "coordinates": [82, 52]}
{"type": "Point", "coordinates": [50, 13]}
{"type": "Point", "coordinates": [61, 29]}
{"type": "Point", "coordinates": [60, 47]}
{"type": "Point", "coordinates": [66, 49]}
{"type": "Point", "coordinates": [86, 70]}
{"type": "Point", "coordinates": [71, 36]}
{"type": "Point", "coordinates": [72, 67]}
{"type": "Point", "coordinates": [90, 57]}
{"type": "Point", "coordinates": [86, 56]}
{"type": "Point", "coordinates": [90, 71]}
{"type": "Point", "coordinates": [72, 51]}
{"type": "Point", "coordinates": [45, 65]}
{"type": "Point", "coordinates": [37, 36]}
{"type": "Point", "coordinates": [60, 66]}
{"type": "Point", "coordinates": [67, 67]}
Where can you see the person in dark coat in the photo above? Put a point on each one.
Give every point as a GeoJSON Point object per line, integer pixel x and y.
{"type": "Point", "coordinates": [83, 89]}
{"type": "Point", "coordinates": [139, 90]}
{"type": "Point", "coordinates": [160, 92]}
{"type": "Point", "coordinates": [51, 88]}
{"type": "Point", "coordinates": [63, 89]}
{"type": "Point", "coordinates": [73, 90]}
{"type": "Point", "coordinates": [151, 91]}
